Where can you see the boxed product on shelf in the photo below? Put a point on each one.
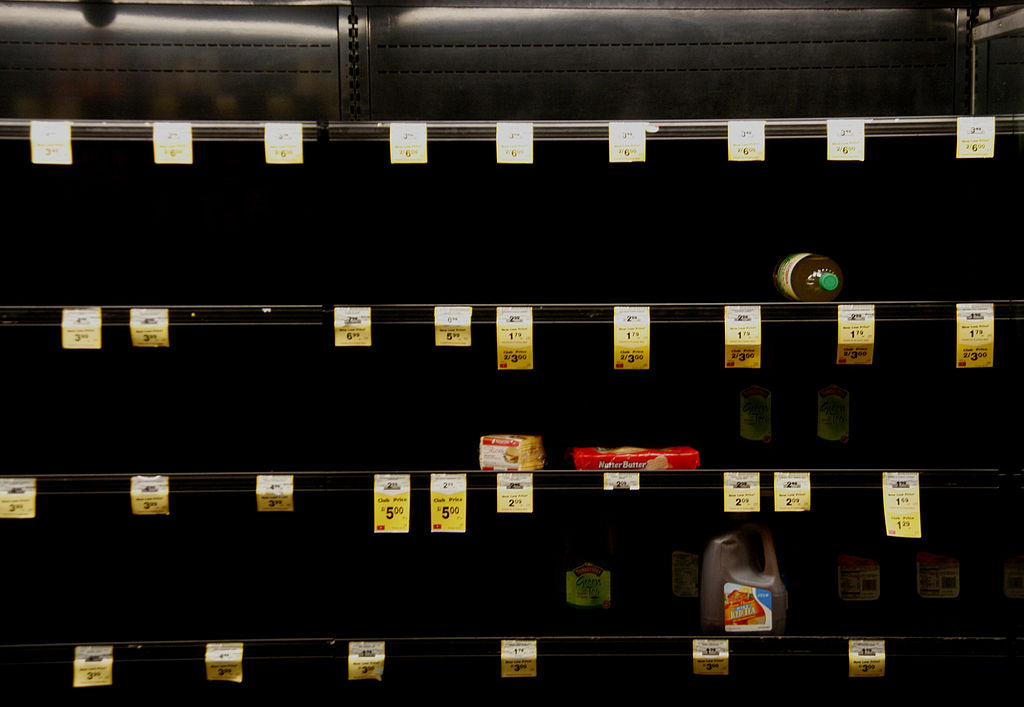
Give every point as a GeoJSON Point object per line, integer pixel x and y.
{"type": "Point", "coordinates": [509, 452]}
{"type": "Point", "coordinates": [634, 458]}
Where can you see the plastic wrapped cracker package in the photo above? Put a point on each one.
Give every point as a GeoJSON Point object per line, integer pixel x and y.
{"type": "Point", "coordinates": [512, 452]}
{"type": "Point", "coordinates": [634, 458]}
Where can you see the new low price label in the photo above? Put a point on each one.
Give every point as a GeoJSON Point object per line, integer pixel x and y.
{"type": "Point", "coordinates": [282, 143]}
{"type": "Point", "coordinates": [81, 328]}
{"type": "Point", "coordinates": [845, 140]}
{"type": "Point", "coordinates": [391, 503]}
{"type": "Point", "coordinates": [746, 140]}
{"type": "Point", "coordinates": [352, 326]}
{"type": "Point", "coordinates": [452, 326]}
{"type": "Point", "coordinates": [743, 336]}
{"type": "Point", "coordinates": [17, 498]}
{"type": "Point", "coordinates": [627, 142]}
{"type": "Point", "coordinates": [408, 143]}
{"type": "Point", "coordinates": [902, 504]}
{"type": "Point", "coordinates": [224, 662]}
{"type": "Point", "coordinates": [632, 338]}
{"type": "Point", "coordinates": [975, 334]}
{"type": "Point", "coordinates": [856, 338]}
{"type": "Point", "coordinates": [975, 136]}
{"type": "Point", "coordinates": [93, 666]}
{"type": "Point", "coordinates": [365, 660]}
{"type": "Point", "coordinates": [742, 491]}
{"type": "Point", "coordinates": [710, 656]}
{"type": "Point", "coordinates": [518, 658]}
{"type": "Point", "coordinates": [867, 658]}
{"type": "Point", "coordinates": [50, 141]}
{"type": "Point", "coordinates": [275, 492]}
{"type": "Point", "coordinates": [792, 491]}
{"type": "Point", "coordinates": [150, 495]}
{"type": "Point", "coordinates": [514, 143]}
{"type": "Point", "coordinates": [515, 492]}
{"type": "Point", "coordinates": [514, 327]}
{"type": "Point", "coordinates": [149, 327]}
{"type": "Point", "coordinates": [172, 143]}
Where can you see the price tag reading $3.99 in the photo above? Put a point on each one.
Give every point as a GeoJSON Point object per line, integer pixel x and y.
{"type": "Point", "coordinates": [710, 656]}
{"type": "Point", "coordinates": [518, 659]}
{"type": "Point", "coordinates": [632, 338]}
{"type": "Point", "coordinates": [743, 337]}
{"type": "Point", "coordinates": [515, 492]}
{"type": "Point", "coordinates": [94, 665]}
{"type": "Point", "coordinates": [856, 341]}
{"type": "Point", "coordinates": [352, 326]}
{"type": "Point", "coordinates": [867, 658]}
{"type": "Point", "coordinates": [224, 662]}
{"type": "Point", "coordinates": [515, 338]}
{"type": "Point", "coordinates": [742, 491]}
{"type": "Point", "coordinates": [82, 328]}
{"type": "Point", "coordinates": [902, 504]}
{"type": "Point", "coordinates": [150, 495]}
{"type": "Point", "coordinates": [452, 326]}
{"type": "Point", "coordinates": [447, 503]}
{"type": "Point", "coordinates": [275, 492]}
{"type": "Point", "coordinates": [975, 335]}
{"type": "Point", "coordinates": [17, 498]}
{"type": "Point", "coordinates": [391, 503]}
{"type": "Point", "coordinates": [149, 327]}
{"type": "Point", "coordinates": [365, 660]}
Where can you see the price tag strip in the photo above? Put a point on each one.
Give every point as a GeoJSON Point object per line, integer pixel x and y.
{"type": "Point", "coordinates": [975, 335]}
{"type": "Point", "coordinates": [515, 338]}
{"type": "Point", "coordinates": [514, 143]}
{"type": "Point", "coordinates": [632, 338]}
{"type": "Point", "coordinates": [275, 492]}
{"type": "Point", "coordinates": [845, 140]}
{"type": "Point", "coordinates": [975, 136]}
{"type": "Point", "coordinates": [448, 503]}
{"type": "Point", "coordinates": [518, 659]}
{"type": "Point", "coordinates": [224, 662]}
{"type": "Point", "coordinates": [627, 142]}
{"type": "Point", "coordinates": [408, 143]}
{"type": "Point", "coordinates": [149, 327]}
{"type": "Point", "coordinates": [743, 336]}
{"type": "Point", "coordinates": [150, 495]}
{"type": "Point", "coordinates": [365, 660]}
{"type": "Point", "coordinates": [746, 140]}
{"type": "Point", "coordinates": [792, 491]}
{"type": "Point", "coordinates": [628, 480]}
{"type": "Point", "coordinates": [352, 326]}
{"type": "Point", "coordinates": [282, 143]}
{"type": "Point", "coordinates": [856, 341]}
{"type": "Point", "coordinates": [453, 326]}
{"type": "Point", "coordinates": [867, 658]}
{"type": "Point", "coordinates": [17, 498]}
{"type": "Point", "coordinates": [391, 503]}
{"type": "Point", "coordinates": [710, 656]}
{"type": "Point", "coordinates": [515, 492]}
{"type": "Point", "coordinates": [902, 504]}
{"type": "Point", "coordinates": [50, 141]}
{"type": "Point", "coordinates": [82, 328]}
{"type": "Point", "coordinates": [172, 143]}
{"type": "Point", "coordinates": [93, 665]}
{"type": "Point", "coordinates": [742, 491]}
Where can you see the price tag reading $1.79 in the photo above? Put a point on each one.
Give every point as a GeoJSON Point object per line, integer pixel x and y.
{"type": "Point", "coordinates": [632, 338]}
{"type": "Point", "coordinates": [975, 335]}
{"type": "Point", "coordinates": [518, 659]}
{"type": "Point", "coordinates": [365, 660]}
{"type": "Point", "coordinates": [515, 338]}
{"type": "Point", "coordinates": [391, 503]}
{"type": "Point", "coordinates": [282, 143]}
{"type": "Point", "coordinates": [902, 504]}
{"type": "Point", "coordinates": [448, 503]}
{"type": "Point", "coordinates": [867, 658]}
{"type": "Point", "coordinates": [856, 340]}
{"type": "Point", "coordinates": [224, 662]}
{"type": "Point", "coordinates": [17, 498]}
{"type": "Point", "coordinates": [743, 337]}
{"type": "Point", "coordinates": [172, 143]}
{"type": "Point", "coordinates": [514, 143]}
{"type": "Point", "coordinates": [275, 492]}
{"type": "Point", "coordinates": [94, 665]}
{"type": "Point", "coordinates": [742, 491]}
{"type": "Point", "coordinates": [408, 143]}
{"type": "Point", "coordinates": [792, 491]}
{"type": "Point", "coordinates": [352, 326]}
{"type": "Point", "coordinates": [452, 326]}
{"type": "Point", "coordinates": [515, 492]}
{"type": "Point", "coordinates": [82, 328]}
{"type": "Point", "coordinates": [627, 142]}
{"type": "Point", "coordinates": [710, 656]}
{"type": "Point", "coordinates": [150, 495]}
{"type": "Point", "coordinates": [149, 327]}
{"type": "Point", "coordinates": [845, 140]}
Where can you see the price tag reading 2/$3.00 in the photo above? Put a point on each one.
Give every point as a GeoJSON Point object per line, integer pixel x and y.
{"type": "Point", "coordinates": [93, 666]}
{"type": "Point", "coordinates": [518, 658]}
{"type": "Point", "coordinates": [150, 495]}
{"type": "Point", "coordinates": [742, 491]}
{"type": "Point", "coordinates": [902, 504]}
{"type": "Point", "coordinates": [447, 503]}
{"type": "Point", "coordinates": [275, 492]}
{"type": "Point", "coordinates": [224, 662]}
{"type": "Point", "coordinates": [743, 337]}
{"type": "Point", "coordinates": [453, 326]}
{"type": "Point", "coordinates": [17, 498]}
{"type": "Point", "coordinates": [710, 656]}
{"type": "Point", "coordinates": [632, 338]}
{"type": "Point", "coordinates": [515, 338]}
{"type": "Point", "coordinates": [867, 658]}
{"type": "Point", "coordinates": [975, 335]}
{"type": "Point", "coordinates": [391, 503]}
{"type": "Point", "coordinates": [82, 328]}
{"type": "Point", "coordinates": [515, 492]}
{"type": "Point", "coordinates": [856, 340]}
{"type": "Point", "coordinates": [149, 327]}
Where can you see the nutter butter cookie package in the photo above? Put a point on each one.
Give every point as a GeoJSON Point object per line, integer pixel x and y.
{"type": "Point", "coordinates": [634, 458]}
{"type": "Point", "coordinates": [512, 452]}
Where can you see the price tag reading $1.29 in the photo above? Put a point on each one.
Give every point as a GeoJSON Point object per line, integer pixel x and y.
{"type": "Point", "coordinates": [352, 326]}
{"type": "Point", "coordinates": [867, 658]}
{"type": "Point", "coordinates": [632, 338]}
{"type": "Point", "coordinates": [391, 503]}
{"type": "Point", "coordinates": [742, 491]}
{"type": "Point", "coordinates": [365, 660]}
{"type": "Point", "coordinates": [743, 336]}
{"type": "Point", "coordinates": [17, 498]}
{"type": "Point", "coordinates": [150, 495]}
{"type": "Point", "coordinates": [224, 662]}
{"type": "Point", "coordinates": [710, 656]}
{"type": "Point", "coordinates": [856, 340]}
{"type": "Point", "coordinates": [515, 492]}
{"type": "Point", "coordinates": [448, 503]}
{"type": "Point", "coordinates": [902, 496]}
{"type": "Point", "coordinates": [515, 338]}
{"type": "Point", "coordinates": [975, 335]}
{"type": "Point", "coordinates": [149, 327]}
{"type": "Point", "coordinates": [453, 326]}
{"type": "Point", "coordinates": [518, 659]}
{"type": "Point", "coordinates": [82, 328]}
{"type": "Point", "coordinates": [93, 666]}
{"type": "Point", "coordinates": [275, 492]}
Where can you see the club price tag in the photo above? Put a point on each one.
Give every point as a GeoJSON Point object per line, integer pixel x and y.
{"type": "Point", "coordinates": [792, 491]}
{"type": "Point", "coordinates": [867, 658]}
{"type": "Point", "coordinates": [82, 328]}
{"type": "Point", "coordinates": [856, 341]}
{"type": "Point", "coordinates": [710, 656]}
{"type": "Point", "coordinates": [518, 659]}
{"type": "Point", "coordinates": [365, 660]}
{"type": "Point", "coordinates": [94, 665]}
{"type": "Point", "coordinates": [275, 492]}
{"type": "Point", "coordinates": [352, 326]}
{"type": "Point", "coordinates": [408, 143]}
{"type": "Point", "coordinates": [975, 136]}
{"type": "Point", "coordinates": [632, 338]}
{"type": "Point", "coordinates": [452, 326]}
{"type": "Point", "coordinates": [515, 492]}
{"type": "Point", "coordinates": [515, 338]}
{"type": "Point", "coordinates": [282, 143]}
{"type": "Point", "coordinates": [172, 143]}
{"type": "Point", "coordinates": [514, 143]}
{"type": "Point", "coordinates": [845, 140]}
{"type": "Point", "coordinates": [742, 491]}
{"type": "Point", "coordinates": [975, 335]}
{"type": "Point", "coordinates": [627, 142]}
{"type": "Point", "coordinates": [150, 495]}
{"type": "Point", "coordinates": [391, 503]}
{"type": "Point", "coordinates": [746, 140]}
{"type": "Point", "coordinates": [625, 480]}
{"type": "Point", "coordinates": [743, 336]}
{"type": "Point", "coordinates": [17, 498]}
{"type": "Point", "coordinates": [224, 662]}
{"type": "Point", "coordinates": [50, 141]}
{"type": "Point", "coordinates": [447, 503]}
{"type": "Point", "coordinates": [902, 504]}
{"type": "Point", "coordinates": [149, 327]}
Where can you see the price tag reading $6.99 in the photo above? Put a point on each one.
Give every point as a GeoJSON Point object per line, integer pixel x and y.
{"type": "Point", "coordinates": [447, 503]}
{"type": "Point", "coordinates": [149, 327]}
{"type": "Point", "coordinates": [515, 338]}
{"type": "Point", "coordinates": [515, 492]}
{"type": "Point", "coordinates": [710, 656]}
{"type": "Point", "coordinates": [518, 659]}
{"type": "Point", "coordinates": [391, 503]}
{"type": "Point", "coordinates": [975, 335]}
{"type": "Point", "coordinates": [352, 326]}
{"type": "Point", "coordinates": [94, 665]}
{"type": "Point", "coordinates": [856, 341]}
{"type": "Point", "coordinates": [742, 491]}
{"type": "Point", "coordinates": [867, 658]}
{"type": "Point", "coordinates": [275, 492]}
{"type": "Point", "coordinates": [452, 326]}
{"type": "Point", "coordinates": [743, 337]}
{"type": "Point", "coordinates": [632, 338]}
{"type": "Point", "coordinates": [224, 662]}
{"type": "Point", "coordinates": [82, 328]}
{"type": "Point", "coordinates": [17, 498]}
{"type": "Point", "coordinates": [902, 504]}
{"type": "Point", "coordinates": [150, 495]}
{"type": "Point", "coordinates": [365, 660]}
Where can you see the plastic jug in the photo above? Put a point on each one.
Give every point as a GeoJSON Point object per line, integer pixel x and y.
{"type": "Point", "coordinates": [741, 589]}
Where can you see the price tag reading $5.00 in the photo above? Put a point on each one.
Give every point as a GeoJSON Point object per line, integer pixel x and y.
{"type": "Point", "coordinates": [710, 656]}
{"type": "Point", "coordinates": [275, 492]}
{"type": "Point", "coordinates": [172, 143]}
{"type": "Point", "coordinates": [391, 503]}
{"type": "Point", "coordinates": [743, 337]}
{"type": "Point", "coordinates": [742, 491]}
{"type": "Point", "coordinates": [518, 659]}
{"type": "Point", "coordinates": [975, 136]}
{"type": "Point", "coordinates": [352, 326]}
{"type": "Point", "coordinates": [902, 504]}
{"type": "Point", "coordinates": [447, 503]}
{"type": "Point", "coordinates": [408, 143]}
{"type": "Point", "coordinates": [632, 338]}
{"type": "Point", "coordinates": [17, 498]}
{"type": "Point", "coordinates": [845, 140]}
{"type": "Point", "coordinates": [365, 660]}
{"type": "Point", "coordinates": [94, 665]}
{"type": "Point", "coordinates": [792, 491]}
{"type": "Point", "coordinates": [856, 341]}
{"type": "Point", "coordinates": [452, 326]}
{"type": "Point", "coordinates": [282, 143]}
{"type": "Point", "coordinates": [515, 492]}
{"type": "Point", "coordinates": [224, 662]}
{"type": "Point", "coordinates": [150, 495]}
{"type": "Point", "coordinates": [627, 142]}
{"type": "Point", "coordinates": [149, 327]}
{"type": "Point", "coordinates": [975, 335]}
{"type": "Point", "coordinates": [515, 338]}
{"type": "Point", "coordinates": [514, 143]}
{"type": "Point", "coordinates": [50, 141]}
{"type": "Point", "coordinates": [867, 658]}
{"type": "Point", "coordinates": [746, 140]}
{"type": "Point", "coordinates": [82, 328]}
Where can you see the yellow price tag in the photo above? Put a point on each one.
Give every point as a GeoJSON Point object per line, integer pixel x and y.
{"type": "Point", "coordinates": [627, 142]}
{"type": "Point", "coordinates": [275, 492]}
{"type": "Point", "coordinates": [172, 143]}
{"type": "Point", "coordinates": [975, 335]}
{"type": "Point", "coordinates": [93, 666]}
{"type": "Point", "coordinates": [518, 658]}
{"type": "Point", "coordinates": [224, 662]}
{"type": "Point", "coordinates": [391, 503]}
{"type": "Point", "coordinates": [856, 340]}
{"type": "Point", "coordinates": [50, 141]}
{"type": "Point", "coordinates": [448, 503]}
{"type": "Point", "coordinates": [352, 326]}
{"type": "Point", "coordinates": [514, 143]}
{"type": "Point", "coordinates": [17, 498]}
{"type": "Point", "coordinates": [632, 338]}
{"type": "Point", "coordinates": [867, 658]}
{"type": "Point", "coordinates": [792, 491]}
{"type": "Point", "coordinates": [515, 492]}
{"type": "Point", "coordinates": [365, 660]}
{"type": "Point", "coordinates": [746, 140]}
{"type": "Point", "coordinates": [150, 495]}
{"type": "Point", "coordinates": [82, 328]}
{"type": "Point", "coordinates": [408, 143]}
{"type": "Point", "coordinates": [742, 491]}
{"type": "Point", "coordinates": [710, 656]}
{"type": "Point", "coordinates": [453, 326]}
{"type": "Point", "coordinates": [149, 327]}
{"type": "Point", "coordinates": [743, 336]}
{"type": "Point", "coordinates": [515, 338]}
{"type": "Point", "coordinates": [902, 504]}
{"type": "Point", "coordinates": [975, 136]}
{"type": "Point", "coordinates": [845, 140]}
{"type": "Point", "coordinates": [282, 143]}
